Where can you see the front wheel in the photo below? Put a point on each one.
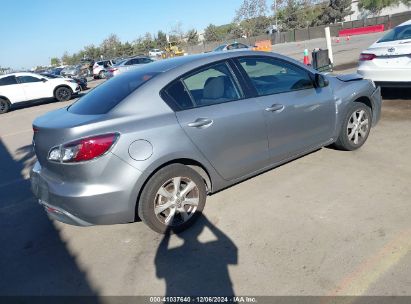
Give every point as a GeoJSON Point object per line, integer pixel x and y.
{"type": "Point", "coordinates": [102, 75]}
{"type": "Point", "coordinates": [356, 127]}
{"type": "Point", "coordinates": [172, 199]}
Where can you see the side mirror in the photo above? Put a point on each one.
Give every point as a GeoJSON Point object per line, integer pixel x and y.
{"type": "Point", "coordinates": [321, 81]}
{"type": "Point", "coordinates": [43, 79]}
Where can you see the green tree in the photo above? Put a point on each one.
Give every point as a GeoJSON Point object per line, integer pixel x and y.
{"type": "Point", "coordinates": [192, 37]}
{"type": "Point", "coordinates": [250, 14]}
{"type": "Point", "coordinates": [375, 6]}
{"type": "Point", "coordinates": [336, 11]}
{"type": "Point", "coordinates": [111, 46]}
{"type": "Point", "coordinates": [211, 33]}
{"type": "Point", "coordinates": [161, 40]}
{"type": "Point", "coordinates": [54, 61]}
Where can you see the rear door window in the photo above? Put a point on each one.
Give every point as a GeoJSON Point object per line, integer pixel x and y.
{"type": "Point", "coordinates": [28, 79]}
{"type": "Point", "coordinates": [212, 85]}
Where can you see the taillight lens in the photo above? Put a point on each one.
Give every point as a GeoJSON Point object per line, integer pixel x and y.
{"type": "Point", "coordinates": [365, 57]}
{"type": "Point", "coordinates": [113, 70]}
{"type": "Point", "coordinates": [83, 149]}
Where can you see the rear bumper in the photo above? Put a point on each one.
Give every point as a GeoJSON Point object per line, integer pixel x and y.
{"type": "Point", "coordinates": [108, 200]}
{"type": "Point", "coordinates": [385, 75]}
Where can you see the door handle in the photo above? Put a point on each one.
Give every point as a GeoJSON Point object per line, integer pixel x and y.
{"type": "Point", "coordinates": [201, 123]}
{"type": "Point", "coordinates": [275, 108]}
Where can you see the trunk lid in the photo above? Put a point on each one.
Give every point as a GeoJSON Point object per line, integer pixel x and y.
{"type": "Point", "coordinates": [392, 54]}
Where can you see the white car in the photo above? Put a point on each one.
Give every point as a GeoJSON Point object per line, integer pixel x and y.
{"type": "Point", "coordinates": [101, 67]}
{"type": "Point", "coordinates": [19, 87]}
{"type": "Point", "coordinates": [127, 65]}
{"type": "Point", "coordinates": [155, 53]}
{"type": "Point", "coordinates": [388, 61]}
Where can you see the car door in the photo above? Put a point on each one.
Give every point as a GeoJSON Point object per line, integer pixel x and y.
{"type": "Point", "coordinates": [10, 89]}
{"type": "Point", "coordinates": [34, 87]}
{"type": "Point", "coordinates": [227, 128]}
{"type": "Point", "coordinates": [299, 115]}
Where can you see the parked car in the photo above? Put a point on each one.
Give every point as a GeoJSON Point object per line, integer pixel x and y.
{"type": "Point", "coordinates": [232, 47]}
{"type": "Point", "coordinates": [153, 142]}
{"type": "Point", "coordinates": [54, 71]}
{"type": "Point", "coordinates": [128, 64]}
{"type": "Point", "coordinates": [19, 87]}
{"type": "Point", "coordinates": [72, 71]}
{"type": "Point", "coordinates": [81, 81]}
{"type": "Point", "coordinates": [101, 67]}
{"type": "Point", "coordinates": [388, 62]}
{"type": "Point", "coordinates": [155, 53]}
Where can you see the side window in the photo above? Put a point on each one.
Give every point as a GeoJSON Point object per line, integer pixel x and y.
{"type": "Point", "coordinates": [179, 96]}
{"type": "Point", "coordinates": [28, 79]}
{"type": "Point", "coordinates": [212, 85]}
{"type": "Point", "coordinates": [145, 60]}
{"type": "Point", "coordinates": [9, 80]}
{"type": "Point", "coordinates": [271, 76]}
{"type": "Point", "coordinates": [130, 62]}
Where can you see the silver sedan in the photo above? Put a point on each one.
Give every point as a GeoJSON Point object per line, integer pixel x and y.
{"type": "Point", "coordinates": [154, 142]}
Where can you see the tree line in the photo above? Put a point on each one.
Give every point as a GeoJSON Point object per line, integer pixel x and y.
{"type": "Point", "coordinates": [252, 18]}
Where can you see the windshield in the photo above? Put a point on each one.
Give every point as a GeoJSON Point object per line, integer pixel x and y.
{"type": "Point", "coordinates": [220, 48]}
{"type": "Point", "coordinates": [109, 94]}
{"type": "Point", "coordinates": [398, 33]}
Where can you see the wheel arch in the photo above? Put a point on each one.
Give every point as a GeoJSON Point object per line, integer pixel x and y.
{"type": "Point", "coordinates": [5, 98]}
{"type": "Point", "coordinates": [193, 164]}
{"type": "Point", "coordinates": [365, 100]}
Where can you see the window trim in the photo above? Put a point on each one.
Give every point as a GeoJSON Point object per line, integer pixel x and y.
{"type": "Point", "coordinates": [20, 82]}
{"type": "Point", "coordinates": [254, 91]}
{"type": "Point", "coordinates": [15, 79]}
{"type": "Point", "coordinates": [173, 104]}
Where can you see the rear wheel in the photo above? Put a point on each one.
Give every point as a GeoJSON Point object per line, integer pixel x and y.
{"type": "Point", "coordinates": [102, 75]}
{"type": "Point", "coordinates": [63, 93]}
{"type": "Point", "coordinates": [4, 106]}
{"type": "Point", "coordinates": [356, 127]}
{"type": "Point", "coordinates": [172, 199]}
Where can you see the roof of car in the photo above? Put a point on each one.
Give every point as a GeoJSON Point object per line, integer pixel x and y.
{"type": "Point", "coordinates": [405, 23]}
{"type": "Point", "coordinates": [19, 74]}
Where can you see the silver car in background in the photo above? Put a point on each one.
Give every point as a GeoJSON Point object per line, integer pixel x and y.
{"type": "Point", "coordinates": [127, 65]}
{"type": "Point", "coordinates": [154, 142]}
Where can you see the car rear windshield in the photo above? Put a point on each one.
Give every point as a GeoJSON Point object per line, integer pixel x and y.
{"type": "Point", "coordinates": [398, 33]}
{"type": "Point", "coordinates": [109, 94]}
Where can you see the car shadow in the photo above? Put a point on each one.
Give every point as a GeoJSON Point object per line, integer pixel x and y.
{"type": "Point", "coordinates": [396, 93]}
{"type": "Point", "coordinates": [196, 268]}
{"type": "Point", "coordinates": [34, 260]}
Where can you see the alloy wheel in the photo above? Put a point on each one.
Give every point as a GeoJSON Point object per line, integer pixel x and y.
{"type": "Point", "coordinates": [176, 201]}
{"type": "Point", "coordinates": [357, 127]}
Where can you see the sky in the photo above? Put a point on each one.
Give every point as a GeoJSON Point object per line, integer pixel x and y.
{"type": "Point", "coordinates": [33, 31]}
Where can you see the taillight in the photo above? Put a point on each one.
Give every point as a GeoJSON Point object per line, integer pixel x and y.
{"type": "Point", "coordinates": [113, 70]}
{"type": "Point", "coordinates": [83, 149]}
{"type": "Point", "coordinates": [35, 130]}
{"type": "Point", "coordinates": [365, 57]}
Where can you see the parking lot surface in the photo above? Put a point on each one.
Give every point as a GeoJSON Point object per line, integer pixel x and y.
{"type": "Point", "coordinates": [329, 223]}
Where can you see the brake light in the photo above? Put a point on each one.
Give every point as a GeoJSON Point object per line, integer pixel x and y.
{"type": "Point", "coordinates": [365, 57]}
{"type": "Point", "coordinates": [113, 70]}
{"type": "Point", "coordinates": [83, 149]}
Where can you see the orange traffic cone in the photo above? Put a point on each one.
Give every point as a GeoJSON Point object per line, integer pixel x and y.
{"type": "Point", "coordinates": [306, 59]}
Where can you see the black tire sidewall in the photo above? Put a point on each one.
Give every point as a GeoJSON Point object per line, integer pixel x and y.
{"type": "Point", "coordinates": [343, 141]}
{"type": "Point", "coordinates": [146, 202]}
{"type": "Point", "coordinates": [63, 88]}
{"type": "Point", "coordinates": [7, 106]}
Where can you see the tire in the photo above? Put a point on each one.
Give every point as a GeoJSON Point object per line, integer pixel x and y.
{"type": "Point", "coordinates": [4, 106]}
{"type": "Point", "coordinates": [170, 217]}
{"type": "Point", "coordinates": [63, 94]}
{"type": "Point", "coordinates": [101, 75]}
{"type": "Point", "coordinates": [354, 132]}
